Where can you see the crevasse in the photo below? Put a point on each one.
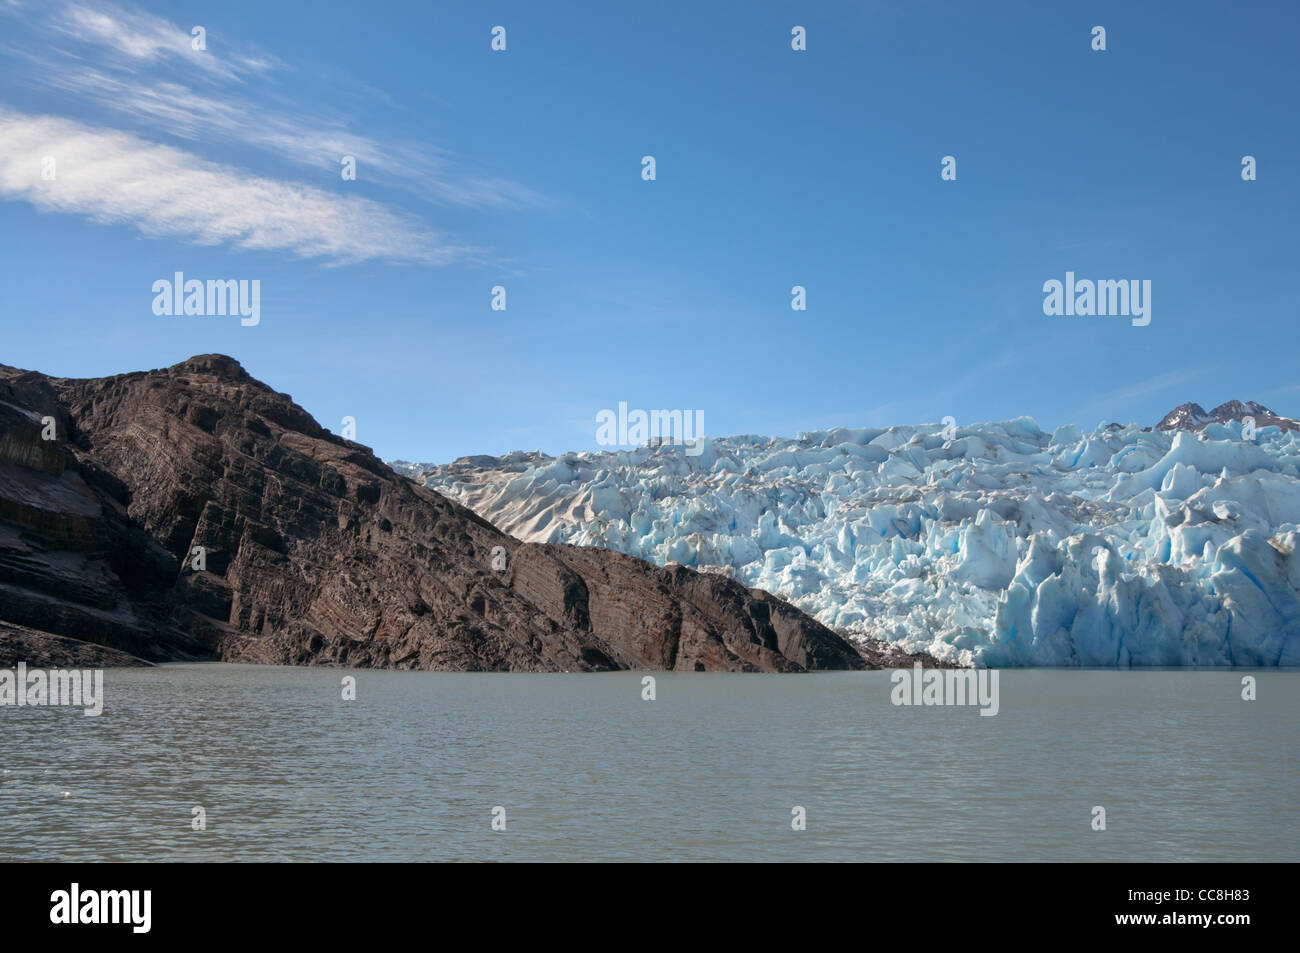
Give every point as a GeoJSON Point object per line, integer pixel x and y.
{"type": "Point", "coordinates": [1004, 545]}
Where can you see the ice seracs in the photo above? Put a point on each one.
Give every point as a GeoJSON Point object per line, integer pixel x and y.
{"type": "Point", "coordinates": [997, 544]}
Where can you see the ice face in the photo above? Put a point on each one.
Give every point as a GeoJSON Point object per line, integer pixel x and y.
{"type": "Point", "coordinates": [1003, 545]}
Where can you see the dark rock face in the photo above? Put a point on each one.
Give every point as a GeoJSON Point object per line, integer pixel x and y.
{"type": "Point", "coordinates": [1195, 417]}
{"type": "Point", "coordinates": [316, 552]}
{"type": "Point", "coordinates": [43, 650]}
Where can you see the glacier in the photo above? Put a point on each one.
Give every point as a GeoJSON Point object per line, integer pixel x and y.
{"type": "Point", "coordinates": [996, 544]}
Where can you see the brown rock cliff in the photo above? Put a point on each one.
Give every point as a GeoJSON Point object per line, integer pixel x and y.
{"type": "Point", "coordinates": [316, 552]}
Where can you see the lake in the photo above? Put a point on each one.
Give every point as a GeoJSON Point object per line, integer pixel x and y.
{"type": "Point", "coordinates": [586, 770]}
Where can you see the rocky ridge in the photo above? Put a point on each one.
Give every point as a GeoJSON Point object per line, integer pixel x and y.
{"type": "Point", "coordinates": [313, 551]}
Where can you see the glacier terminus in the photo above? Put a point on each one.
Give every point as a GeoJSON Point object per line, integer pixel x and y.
{"type": "Point", "coordinates": [995, 544]}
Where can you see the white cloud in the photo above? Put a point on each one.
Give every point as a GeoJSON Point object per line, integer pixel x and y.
{"type": "Point", "coordinates": [143, 69]}
{"type": "Point", "coordinates": [144, 38]}
{"type": "Point", "coordinates": [114, 177]}
{"type": "Point", "coordinates": [177, 109]}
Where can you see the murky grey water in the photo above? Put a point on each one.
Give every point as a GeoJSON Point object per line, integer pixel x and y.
{"type": "Point", "coordinates": [586, 770]}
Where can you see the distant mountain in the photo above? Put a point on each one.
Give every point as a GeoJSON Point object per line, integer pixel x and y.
{"type": "Point", "coordinates": [1194, 416]}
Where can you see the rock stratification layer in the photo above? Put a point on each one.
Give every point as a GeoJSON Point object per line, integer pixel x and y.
{"type": "Point", "coordinates": [312, 551]}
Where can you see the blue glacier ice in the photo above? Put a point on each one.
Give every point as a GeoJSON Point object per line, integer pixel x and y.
{"type": "Point", "coordinates": [1002, 545]}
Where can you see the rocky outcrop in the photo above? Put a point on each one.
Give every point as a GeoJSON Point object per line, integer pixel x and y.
{"type": "Point", "coordinates": [72, 562]}
{"type": "Point", "coordinates": [193, 512]}
{"type": "Point", "coordinates": [44, 650]}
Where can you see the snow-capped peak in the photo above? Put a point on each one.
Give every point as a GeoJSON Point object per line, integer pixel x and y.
{"type": "Point", "coordinates": [1195, 417]}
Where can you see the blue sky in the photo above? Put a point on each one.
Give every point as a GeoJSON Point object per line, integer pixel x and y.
{"type": "Point", "coordinates": [775, 168]}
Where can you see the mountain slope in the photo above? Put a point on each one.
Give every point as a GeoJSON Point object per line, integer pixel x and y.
{"type": "Point", "coordinates": [997, 544]}
{"type": "Point", "coordinates": [315, 552]}
{"type": "Point", "coordinates": [1195, 417]}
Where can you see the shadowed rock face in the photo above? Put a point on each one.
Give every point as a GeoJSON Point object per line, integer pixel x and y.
{"type": "Point", "coordinates": [316, 552]}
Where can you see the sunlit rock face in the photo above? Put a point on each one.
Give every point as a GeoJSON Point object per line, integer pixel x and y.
{"type": "Point", "coordinates": [194, 512]}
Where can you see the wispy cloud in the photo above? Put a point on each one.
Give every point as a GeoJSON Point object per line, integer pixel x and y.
{"type": "Point", "coordinates": [181, 111]}
{"type": "Point", "coordinates": [115, 177]}
{"type": "Point", "coordinates": [951, 393]}
{"type": "Point", "coordinates": [143, 38]}
{"type": "Point", "coordinates": [1158, 384]}
{"type": "Point", "coordinates": [142, 68]}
